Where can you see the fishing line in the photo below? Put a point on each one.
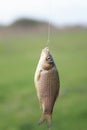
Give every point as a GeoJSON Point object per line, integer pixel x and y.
{"type": "Point", "coordinates": [48, 34]}
{"type": "Point", "coordinates": [49, 26]}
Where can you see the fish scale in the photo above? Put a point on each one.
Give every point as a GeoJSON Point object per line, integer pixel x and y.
{"type": "Point", "coordinates": [47, 89]}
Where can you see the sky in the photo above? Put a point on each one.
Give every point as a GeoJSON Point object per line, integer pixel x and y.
{"type": "Point", "coordinates": [58, 12]}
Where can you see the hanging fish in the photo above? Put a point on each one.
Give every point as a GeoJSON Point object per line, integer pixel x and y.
{"type": "Point", "coordinates": [47, 85]}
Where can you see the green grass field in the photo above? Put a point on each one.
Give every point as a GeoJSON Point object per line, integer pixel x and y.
{"type": "Point", "coordinates": [19, 55]}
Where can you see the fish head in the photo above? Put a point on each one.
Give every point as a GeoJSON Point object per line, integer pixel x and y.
{"type": "Point", "coordinates": [46, 59]}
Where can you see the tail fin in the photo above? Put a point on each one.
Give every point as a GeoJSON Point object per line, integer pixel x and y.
{"type": "Point", "coordinates": [47, 118]}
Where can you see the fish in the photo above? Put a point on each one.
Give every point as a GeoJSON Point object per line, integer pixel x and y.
{"type": "Point", "coordinates": [47, 85]}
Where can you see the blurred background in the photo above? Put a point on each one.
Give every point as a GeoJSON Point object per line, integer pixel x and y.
{"type": "Point", "coordinates": [23, 34]}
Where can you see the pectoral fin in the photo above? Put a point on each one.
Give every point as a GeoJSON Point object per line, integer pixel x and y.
{"type": "Point", "coordinates": [39, 74]}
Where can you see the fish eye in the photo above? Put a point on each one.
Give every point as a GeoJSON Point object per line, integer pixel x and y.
{"type": "Point", "coordinates": [49, 58]}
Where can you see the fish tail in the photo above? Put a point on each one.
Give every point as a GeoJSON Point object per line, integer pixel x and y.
{"type": "Point", "coordinates": [47, 118]}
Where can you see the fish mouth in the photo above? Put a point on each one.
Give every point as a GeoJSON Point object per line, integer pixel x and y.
{"type": "Point", "coordinates": [46, 51]}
